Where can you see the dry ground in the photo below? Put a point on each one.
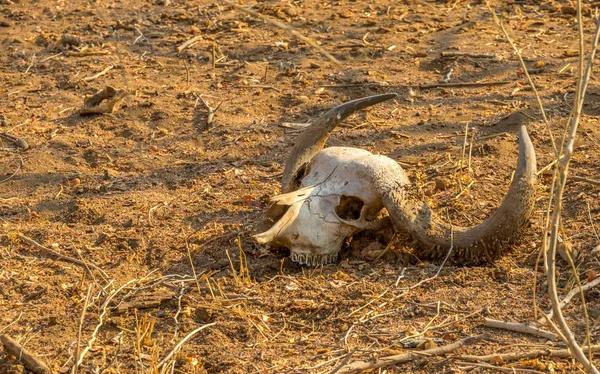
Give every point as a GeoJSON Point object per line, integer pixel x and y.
{"type": "Point", "coordinates": [133, 190]}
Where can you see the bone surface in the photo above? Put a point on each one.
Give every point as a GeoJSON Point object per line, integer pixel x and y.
{"type": "Point", "coordinates": [332, 194]}
{"type": "Point", "coordinates": [338, 198]}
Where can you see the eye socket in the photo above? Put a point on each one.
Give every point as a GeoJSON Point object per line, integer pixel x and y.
{"type": "Point", "coordinates": [301, 173]}
{"type": "Point", "coordinates": [349, 208]}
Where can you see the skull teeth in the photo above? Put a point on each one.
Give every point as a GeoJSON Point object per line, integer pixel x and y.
{"type": "Point", "coordinates": [312, 259]}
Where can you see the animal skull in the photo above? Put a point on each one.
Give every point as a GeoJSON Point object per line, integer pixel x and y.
{"type": "Point", "coordinates": [329, 195]}
{"type": "Point", "coordinates": [336, 200]}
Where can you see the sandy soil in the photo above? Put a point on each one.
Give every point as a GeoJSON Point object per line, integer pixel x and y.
{"type": "Point", "coordinates": [150, 189]}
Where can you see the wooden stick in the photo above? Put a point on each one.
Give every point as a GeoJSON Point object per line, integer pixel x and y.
{"type": "Point", "coordinates": [89, 79]}
{"type": "Point", "coordinates": [87, 53]}
{"type": "Point", "coordinates": [505, 357]}
{"type": "Point", "coordinates": [31, 64]}
{"type": "Point", "coordinates": [366, 84]}
{"type": "Point", "coordinates": [468, 54]}
{"type": "Point", "coordinates": [27, 358]}
{"type": "Point", "coordinates": [263, 86]}
{"type": "Point", "coordinates": [182, 342]}
{"type": "Point", "coordinates": [464, 84]}
{"type": "Point", "coordinates": [519, 327]}
{"type": "Point", "coordinates": [189, 252]}
{"type": "Point", "coordinates": [586, 180]}
{"type": "Point", "coordinates": [15, 172]}
{"type": "Point", "coordinates": [79, 332]}
{"type": "Point", "coordinates": [214, 55]}
{"type": "Point", "coordinates": [60, 256]}
{"type": "Point", "coordinates": [558, 187]}
{"type": "Point", "coordinates": [189, 43]}
{"type": "Point", "coordinates": [210, 111]}
{"type": "Point", "coordinates": [570, 295]}
{"type": "Point", "coordinates": [499, 368]}
{"type": "Point", "coordinates": [103, 311]}
{"type": "Point", "coordinates": [359, 366]}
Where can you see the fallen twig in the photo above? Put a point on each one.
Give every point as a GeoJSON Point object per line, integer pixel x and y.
{"type": "Point", "coordinates": [79, 332]}
{"type": "Point", "coordinates": [358, 366]}
{"type": "Point", "coordinates": [519, 327]}
{"type": "Point", "coordinates": [98, 75]}
{"type": "Point", "coordinates": [30, 64]}
{"type": "Point", "coordinates": [499, 368]}
{"type": "Point", "coordinates": [177, 346]}
{"type": "Point", "coordinates": [570, 295]}
{"type": "Point", "coordinates": [349, 85]}
{"type": "Point", "coordinates": [189, 252]}
{"type": "Point", "coordinates": [30, 361]}
{"type": "Point", "coordinates": [468, 54]}
{"type": "Point", "coordinates": [103, 311]}
{"type": "Point", "coordinates": [464, 84]}
{"type": "Point", "coordinates": [145, 300]}
{"type": "Point", "coordinates": [60, 256]}
{"type": "Point", "coordinates": [87, 53]}
{"type": "Point", "coordinates": [556, 200]}
{"type": "Point", "coordinates": [505, 357]}
{"type": "Point", "coordinates": [15, 172]}
{"type": "Point", "coordinates": [189, 43]}
{"type": "Point", "coordinates": [343, 363]}
{"type": "Point", "coordinates": [13, 322]}
{"type": "Point", "coordinates": [586, 180]}
{"type": "Point", "coordinates": [264, 86]}
{"type": "Point", "coordinates": [441, 266]}
{"type": "Point", "coordinates": [210, 111]}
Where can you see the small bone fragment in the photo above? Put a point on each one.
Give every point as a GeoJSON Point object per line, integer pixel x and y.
{"type": "Point", "coordinates": [189, 43]}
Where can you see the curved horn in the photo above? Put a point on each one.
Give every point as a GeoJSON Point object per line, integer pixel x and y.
{"type": "Point", "coordinates": [313, 139]}
{"type": "Point", "coordinates": [410, 214]}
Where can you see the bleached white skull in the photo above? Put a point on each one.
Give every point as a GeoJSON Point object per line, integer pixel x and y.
{"type": "Point", "coordinates": [331, 194]}
{"type": "Point", "coordinates": [336, 199]}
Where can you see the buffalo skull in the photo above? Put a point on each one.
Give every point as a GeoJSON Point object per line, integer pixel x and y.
{"type": "Point", "coordinates": [331, 194]}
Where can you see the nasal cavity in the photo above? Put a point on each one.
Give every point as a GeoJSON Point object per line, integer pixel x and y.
{"type": "Point", "coordinates": [349, 208]}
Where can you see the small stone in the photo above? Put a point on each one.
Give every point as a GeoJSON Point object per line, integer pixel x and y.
{"type": "Point", "coordinates": [292, 12]}
{"type": "Point", "coordinates": [69, 40]}
{"type": "Point", "coordinates": [5, 24]}
{"type": "Point", "coordinates": [441, 185]}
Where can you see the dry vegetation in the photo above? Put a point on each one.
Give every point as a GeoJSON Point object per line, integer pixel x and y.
{"type": "Point", "coordinates": [125, 237]}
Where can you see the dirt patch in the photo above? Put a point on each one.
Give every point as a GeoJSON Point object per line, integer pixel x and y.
{"type": "Point", "coordinates": [148, 190]}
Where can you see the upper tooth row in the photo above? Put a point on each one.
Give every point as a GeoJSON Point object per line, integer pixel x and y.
{"type": "Point", "coordinates": [312, 259]}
